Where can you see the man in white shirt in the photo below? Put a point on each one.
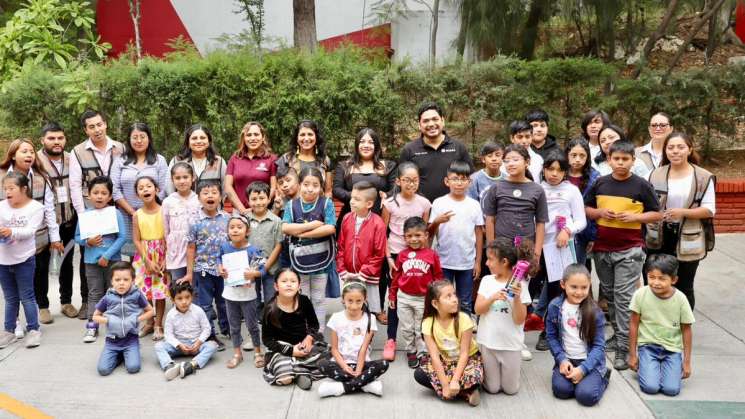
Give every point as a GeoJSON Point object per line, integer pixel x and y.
{"type": "Point", "coordinates": [93, 157]}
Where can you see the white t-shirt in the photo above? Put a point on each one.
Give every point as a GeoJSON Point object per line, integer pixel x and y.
{"type": "Point", "coordinates": [679, 189]}
{"type": "Point", "coordinates": [351, 334]}
{"type": "Point", "coordinates": [23, 222]}
{"type": "Point", "coordinates": [574, 346]}
{"type": "Point", "coordinates": [496, 328]}
{"type": "Point", "coordinates": [456, 239]}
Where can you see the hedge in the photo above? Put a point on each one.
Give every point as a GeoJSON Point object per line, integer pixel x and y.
{"type": "Point", "coordinates": [346, 90]}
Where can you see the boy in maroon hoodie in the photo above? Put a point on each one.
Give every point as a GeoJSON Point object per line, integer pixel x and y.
{"type": "Point", "coordinates": [362, 244]}
{"type": "Point", "coordinates": [416, 267]}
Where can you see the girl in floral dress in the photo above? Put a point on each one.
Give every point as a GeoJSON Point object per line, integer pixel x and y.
{"type": "Point", "coordinates": [148, 236]}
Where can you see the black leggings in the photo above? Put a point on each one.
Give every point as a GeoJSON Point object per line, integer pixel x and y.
{"type": "Point", "coordinates": [371, 371]}
{"type": "Point", "coordinates": [686, 270]}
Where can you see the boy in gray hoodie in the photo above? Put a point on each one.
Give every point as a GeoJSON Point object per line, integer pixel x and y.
{"type": "Point", "coordinates": [121, 309]}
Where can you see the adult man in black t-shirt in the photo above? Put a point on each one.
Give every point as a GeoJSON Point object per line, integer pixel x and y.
{"type": "Point", "coordinates": [433, 152]}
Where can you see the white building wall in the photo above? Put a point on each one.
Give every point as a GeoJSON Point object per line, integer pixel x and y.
{"type": "Point", "coordinates": [208, 20]}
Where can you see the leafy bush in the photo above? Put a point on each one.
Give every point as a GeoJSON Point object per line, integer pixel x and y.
{"type": "Point", "coordinates": [51, 32]}
{"type": "Point", "coordinates": [345, 91]}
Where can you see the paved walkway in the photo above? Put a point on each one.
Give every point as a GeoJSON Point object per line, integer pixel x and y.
{"type": "Point", "coordinates": [59, 378]}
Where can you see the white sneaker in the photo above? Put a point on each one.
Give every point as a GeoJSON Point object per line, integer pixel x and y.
{"type": "Point", "coordinates": [33, 339]}
{"type": "Point", "coordinates": [6, 338]}
{"type": "Point", "coordinates": [20, 330]}
{"type": "Point", "coordinates": [90, 335]}
{"type": "Point", "coordinates": [248, 345]}
{"type": "Point", "coordinates": [330, 388]}
{"type": "Point", "coordinates": [376, 388]}
{"type": "Point", "coordinates": [526, 355]}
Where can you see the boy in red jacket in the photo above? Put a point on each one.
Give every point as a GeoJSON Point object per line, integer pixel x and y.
{"type": "Point", "coordinates": [362, 244]}
{"type": "Point", "coordinates": [416, 267]}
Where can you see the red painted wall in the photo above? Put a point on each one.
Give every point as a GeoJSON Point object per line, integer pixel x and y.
{"type": "Point", "coordinates": [159, 24]}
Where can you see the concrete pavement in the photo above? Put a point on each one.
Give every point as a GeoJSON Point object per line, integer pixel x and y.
{"type": "Point", "coordinates": [59, 378]}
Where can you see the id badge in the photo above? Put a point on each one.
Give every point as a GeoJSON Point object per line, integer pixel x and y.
{"type": "Point", "coordinates": [61, 194]}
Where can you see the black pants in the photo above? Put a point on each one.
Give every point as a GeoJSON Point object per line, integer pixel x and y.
{"type": "Point", "coordinates": [66, 276]}
{"type": "Point", "coordinates": [371, 371]}
{"type": "Point", "coordinates": [41, 274]}
{"type": "Point", "coordinates": [686, 270]}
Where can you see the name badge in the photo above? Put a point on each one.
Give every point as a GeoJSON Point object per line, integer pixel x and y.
{"type": "Point", "coordinates": [61, 194]}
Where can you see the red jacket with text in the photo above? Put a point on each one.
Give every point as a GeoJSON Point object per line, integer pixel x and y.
{"type": "Point", "coordinates": [362, 252]}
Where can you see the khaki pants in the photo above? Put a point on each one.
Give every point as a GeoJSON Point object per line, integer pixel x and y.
{"type": "Point", "coordinates": [410, 310]}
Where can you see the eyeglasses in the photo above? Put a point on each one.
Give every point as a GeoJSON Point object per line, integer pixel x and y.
{"type": "Point", "coordinates": [659, 126]}
{"type": "Point", "coordinates": [409, 180]}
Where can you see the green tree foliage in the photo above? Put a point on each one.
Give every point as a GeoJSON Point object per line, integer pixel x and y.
{"type": "Point", "coordinates": [345, 92]}
{"type": "Point", "coordinates": [49, 32]}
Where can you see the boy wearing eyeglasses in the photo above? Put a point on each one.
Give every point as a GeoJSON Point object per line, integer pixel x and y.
{"type": "Point", "coordinates": [458, 223]}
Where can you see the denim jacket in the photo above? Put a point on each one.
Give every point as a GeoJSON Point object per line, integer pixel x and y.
{"type": "Point", "coordinates": [595, 353]}
{"type": "Point", "coordinates": [122, 312]}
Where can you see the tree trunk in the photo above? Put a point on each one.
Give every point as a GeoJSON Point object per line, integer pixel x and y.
{"type": "Point", "coordinates": [530, 32]}
{"type": "Point", "coordinates": [304, 24]}
{"type": "Point", "coordinates": [460, 41]}
{"type": "Point", "coordinates": [134, 13]}
{"type": "Point", "coordinates": [433, 35]}
{"type": "Point", "coordinates": [656, 36]}
{"type": "Point", "coordinates": [699, 23]}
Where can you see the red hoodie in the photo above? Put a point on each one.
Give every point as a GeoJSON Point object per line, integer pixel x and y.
{"type": "Point", "coordinates": [415, 270]}
{"type": "Point", "coordinates": [362, 252]}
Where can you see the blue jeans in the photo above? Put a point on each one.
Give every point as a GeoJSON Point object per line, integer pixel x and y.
{"type": "Point", "coordinates": [660, 370]}
{"type": "Point", "coordinates": [463, 281]}
{"type": "Point", "coordinates": [165, 353]}
{"type": "Point", "coordinates": [209, 288]}
{"type": "Point", "coordinates": [113, 355]}
{"type": "Point", "coordinates": [588, 392]}
{"type": "Point", "coordinates": [17, 282]}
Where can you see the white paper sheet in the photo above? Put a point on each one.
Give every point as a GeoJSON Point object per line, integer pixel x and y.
{"type": "Point", "coordinates": [557, 259]}
{"type": "Point", "coordinates": [236, 264]}
{"type": "Point", "coordinates": [98, 222]}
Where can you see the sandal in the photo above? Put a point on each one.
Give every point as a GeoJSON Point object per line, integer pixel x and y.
{"type": "Point", "coordinates": [235, 361]}
{"type": "Point", "coordinates": [158, 333]}
{"type": "Point", "coordinates": [147, 329]}
{"type": "Point", "coordinates": [259, 360]}
{"type": "Point", "coordinates": [382, 318]}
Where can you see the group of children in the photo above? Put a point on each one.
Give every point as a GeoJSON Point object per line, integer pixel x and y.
{"type": "Point", "coordinates": [462, 327]}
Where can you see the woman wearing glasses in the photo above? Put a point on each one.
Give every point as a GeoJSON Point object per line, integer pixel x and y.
{"type": "Point", "coordinates": [660, 126]}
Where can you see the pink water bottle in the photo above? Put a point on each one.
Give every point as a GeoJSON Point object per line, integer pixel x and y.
{"type": "Point", "coordinates": [561, 222]}
{"type": "Point", "coordinates": [519, 273]}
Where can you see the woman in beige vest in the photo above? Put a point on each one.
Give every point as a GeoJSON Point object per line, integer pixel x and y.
{"type": "Point", "coordinates": [687, 200]}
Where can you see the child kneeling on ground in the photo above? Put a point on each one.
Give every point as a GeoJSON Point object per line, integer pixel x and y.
{"type": "Point", "coordinates": [661, 321]}
{"type": "Point", "coordinates": [186, 332]}
{"type": "Point", "coordinates": [121, 310]}
{"type": "Point", "coordinates": [452, 366]}
{"type": "Point", "coordinates": [575, 333]}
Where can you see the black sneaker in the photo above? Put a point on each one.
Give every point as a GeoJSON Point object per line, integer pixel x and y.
{"type": "Point", "coordinates": [304, 382]}
{"type": "Point", "coordinates": [172, 371]}
{"type": "Point", "coordinates": [186, 368]}
{"type": "Point", "coordinates": [412, 359]}
{"type": "Point", "coordinates": [220, 345]}
{"type": "Point", "coordinates": [620, 362]}
{"type": "Point", "coordinates": [607, 374]}
{"type": "Point", "coordinates": [610, 344]}
{"type": "Point", "coordinates": [542, 344]}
